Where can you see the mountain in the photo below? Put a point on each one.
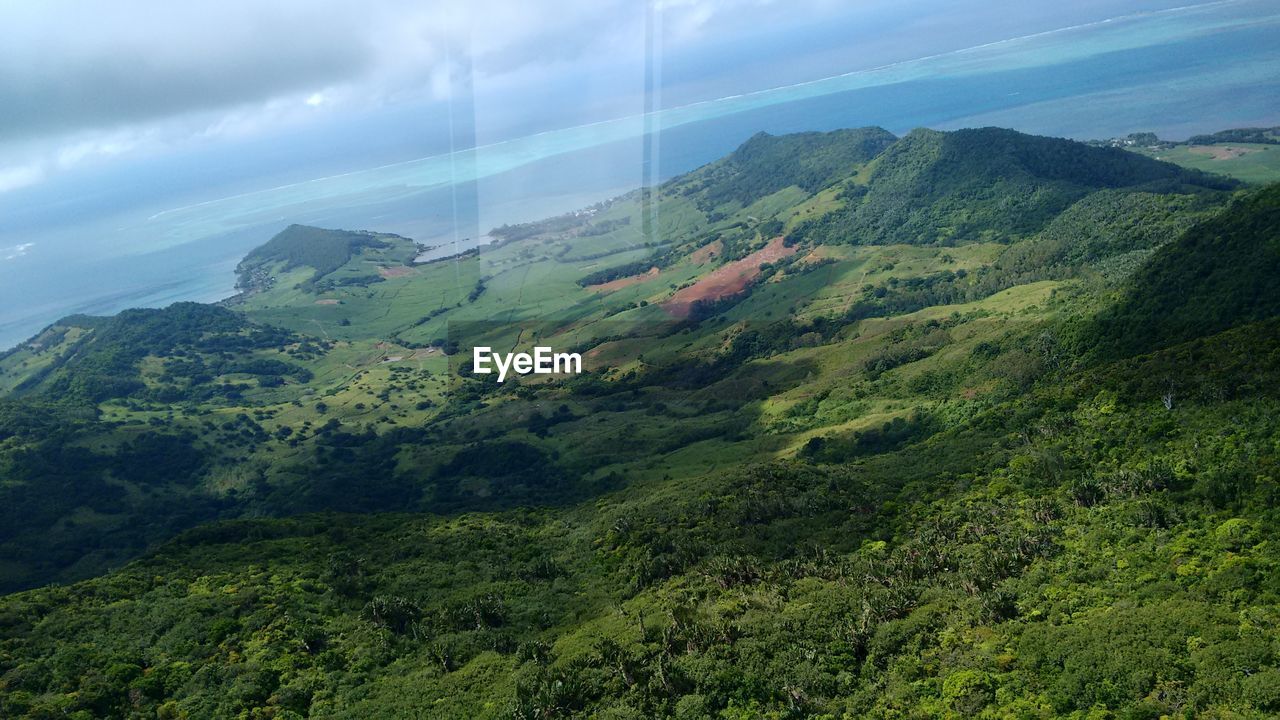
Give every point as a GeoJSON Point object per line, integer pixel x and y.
{"type": "Point", "coordinates": [988, 184]}
{"type": "Point", "coordinates": [765, 164]}
{"type": "Point", "coordinates": [321, 251]}
{"type": "Point", "coordinates": [1008, 450]}
{"type": "Point", "coordinates": [1222, 273]}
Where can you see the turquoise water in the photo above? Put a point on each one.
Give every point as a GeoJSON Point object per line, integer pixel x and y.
{"type": "Point", "coordinates": [1176, 72]}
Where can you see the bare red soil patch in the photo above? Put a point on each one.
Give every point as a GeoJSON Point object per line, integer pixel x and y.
{"type": "Point", "coordinates": [624, 282]}
{"type": "Point", "coordinates": [1222, 152]}
{"type": "Point", "coordinates": [727, 280]}
{"type": "Point", "coordinates": [707, 252]}
{"type": "Point", "coordinates": [395, 272]}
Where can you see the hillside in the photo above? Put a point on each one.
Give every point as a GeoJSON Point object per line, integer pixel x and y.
{"type": "Point", "coordinates": [82, 491]}
{"type": "Point", "coordinates": [988, 184]}
{"type": "Point", "coordinates": [870, 427]}
{"type": "Point", "coordinates": [1223, 272]}
{"type": "Point", "coordinates": [765, 164]}
{"type": "Point", "coordinates": [323, 252]}
{"type": "Point", "coordinates": [895, 592]}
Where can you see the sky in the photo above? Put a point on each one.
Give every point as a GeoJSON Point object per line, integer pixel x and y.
{"type": "Point", "coordinates": [284, 89]}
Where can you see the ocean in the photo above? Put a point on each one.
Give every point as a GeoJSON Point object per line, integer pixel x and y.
{"type": "Point", "coordinates": [1175, 72]}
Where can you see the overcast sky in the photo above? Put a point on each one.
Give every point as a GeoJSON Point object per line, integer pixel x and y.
{"type": "Point", "coordinates": [86, 83]}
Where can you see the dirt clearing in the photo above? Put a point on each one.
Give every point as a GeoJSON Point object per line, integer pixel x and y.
{"type": "Point", "coordinates": [728, 280]}
{"type": "Point", "coordinates": [395, 272]}
{"type": "Point", "coordinates": [628, 281]}
{"type": "Point", "coordinates": [1222, 152]}
{"type": "Point", "coordinates": [707, 252]}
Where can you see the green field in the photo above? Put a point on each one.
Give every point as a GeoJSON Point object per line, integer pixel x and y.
{"type": "Point", "coordinates": [1251, 162]}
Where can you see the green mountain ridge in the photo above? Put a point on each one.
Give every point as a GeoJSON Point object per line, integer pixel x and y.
{"type": "Point", "coordinates": [765, 164]}
{"type": "Point", "coordinates": [1221, 273]}
{"type": "Point", "coordinates": [989, 184]}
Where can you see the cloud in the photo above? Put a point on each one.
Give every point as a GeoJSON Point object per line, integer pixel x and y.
{"type": "Point", "coordinates": [68, 67]}
{"type": "Point", "coordinates": [12, 178]}
{"type": "Point", "coordinates": [83, 82]}
{"type": "Point", "coordinates": [15, 251]}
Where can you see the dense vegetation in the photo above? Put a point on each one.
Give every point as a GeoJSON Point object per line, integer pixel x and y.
{"type": "Point", "coordinates": [600, 277]}
{"type": "Point", "coordinates": [322, 250]}
{"type": "Point", "coordinates": [204, 342]}
{"type": "Point", "coordinates": [1009, 451]}
{"type": "Point", "coordinates": [1221, 273]}
{"type": "Point", "coordinates": [953, 584]}
{"type": "Point", "coordinates": [765, 164]}
{"type": "Point", "coordinates": [987, 184]}
{"type": "Point", "coordinates": [64, 515]}
{"type": "Point", "coordinates": [1264, 136]}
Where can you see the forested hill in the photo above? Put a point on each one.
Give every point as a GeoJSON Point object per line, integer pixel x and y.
{"type": "Point", "coordinates": [988, 184]}
{"type": "Point", "coordinates": [765, 164]}
{"type": "Point", "coordinates": [98, 358]}
{"type": "Point", "coordinates": [966, 424]}
{"type": "Point", "coordinates": [1221, 273]}
{"type": "Point", "coordinates": [318, 249]}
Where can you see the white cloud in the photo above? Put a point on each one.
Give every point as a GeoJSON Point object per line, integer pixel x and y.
{"type": "Point", "coordinates": [12, 178]}
{"type": "Point", "coordinates": [15, 251]}
{"type": "Point", "coordinates": [95, 145]}
{"type": "Point", "coordinates": [84, 82]}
